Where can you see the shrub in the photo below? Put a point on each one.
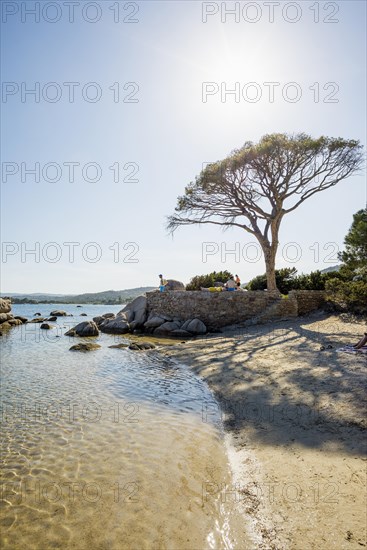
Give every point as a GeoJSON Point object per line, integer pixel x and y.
{"type": "Point", "coordinates": [348, 295]}
{"type": "Point", "coordinates": [208, 280]}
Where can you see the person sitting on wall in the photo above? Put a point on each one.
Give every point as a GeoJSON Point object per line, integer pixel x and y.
{"type": "Point", "coordinates": [230, 284]}
{"type": "Point", "coordinates": [238, 282]}
{"type": "Point", "coordinates": [162, 283]}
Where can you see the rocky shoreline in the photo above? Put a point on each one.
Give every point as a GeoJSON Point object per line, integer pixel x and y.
{"type": "Point", "coordinates": [134, 319]}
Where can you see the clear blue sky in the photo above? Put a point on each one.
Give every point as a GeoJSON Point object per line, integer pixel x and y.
{"type": "Point", "coordinates": [168, 134]}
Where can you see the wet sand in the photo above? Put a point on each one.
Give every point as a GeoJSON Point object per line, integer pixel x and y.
{"type": "Point", "coordinates": [294, 416]}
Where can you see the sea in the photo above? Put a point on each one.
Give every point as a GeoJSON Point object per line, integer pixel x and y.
{"type": "Point", "coordinates": [110, 449]}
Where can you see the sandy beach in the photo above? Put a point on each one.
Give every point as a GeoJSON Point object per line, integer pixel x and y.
{"type": "Point", "coordinates": [294, 416]}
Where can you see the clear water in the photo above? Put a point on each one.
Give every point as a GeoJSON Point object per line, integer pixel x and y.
{"type": "Point", "coordinates": [110, 449]}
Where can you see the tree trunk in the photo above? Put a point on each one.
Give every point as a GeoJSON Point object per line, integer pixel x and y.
{"type": "Point", "coordinates": [269, 254]}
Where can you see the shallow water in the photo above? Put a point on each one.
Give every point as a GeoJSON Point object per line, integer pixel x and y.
{"type": "Point", "coordinates": [111, 449]}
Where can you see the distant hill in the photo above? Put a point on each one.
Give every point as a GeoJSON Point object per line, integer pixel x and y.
{"type": "Point", "coordinates": [108, 297]}
{"type": "Point", "coordinates": [332, 268]}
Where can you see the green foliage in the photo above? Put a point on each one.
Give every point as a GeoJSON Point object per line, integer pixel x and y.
{"type": "Point", "coordinates": [206, 281]}
{"type": "Point", "coordinates": [283, 277]}
{"type": "Point", "coordinates": [349, 291]}
{"type": "Point", "coordinates": [355, 254]}
{"type": "Point", "coordinates": [348, 295]}
{"type": "Point", "coordinates": [287, 280]}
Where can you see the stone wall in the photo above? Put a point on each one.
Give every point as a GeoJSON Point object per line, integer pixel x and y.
{"type": "Point", "coordinates": [220, 309]}
{"type": "Point", "coordinates": [308, 300]}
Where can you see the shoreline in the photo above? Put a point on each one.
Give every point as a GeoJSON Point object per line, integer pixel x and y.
{"type": "Point", "coordinates": [293, 421]}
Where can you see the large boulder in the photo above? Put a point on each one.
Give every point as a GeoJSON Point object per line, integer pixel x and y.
{"type": "Point", "coordinates": [135, 311]}
{"type": "Point", "coordinates": [174, 285]}
{"type": "Point", "coordinates": [108, 315]}
{"type": "Point", "coordinates": [115, 326]}
{"type": "Point", "coordinates": [87, 328]}
{"type": "Point", "coordinates": [21, 318]}
{"type": "Point", "coordinates": [154, 321]}
{"type": "Point", "coordinates": [195, 326]}
{"type": "Point", "coordinates": [5, 305]}
{"type": "Point", "coordinates": [14, 322]}
{"type": "Point", "coordinates": [167, 328]}
{"type": "Point", "coordinates": [5, 317]}
{"type": "Point", "coordinates": [58, 313]}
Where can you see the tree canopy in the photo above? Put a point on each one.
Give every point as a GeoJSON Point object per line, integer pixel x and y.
{"type": "Point", "coordinates": [256, 185]}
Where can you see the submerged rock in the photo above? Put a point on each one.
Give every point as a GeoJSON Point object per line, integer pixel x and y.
{"type": "Point", "coordinates": [84, 347]}
{"type": "Point", "coordinates": [141, 346]}
{"type": "Point", "coordinates": [46, 326]}
{"type": "Point", "coordinates": [119, 346]}
{"type": "Point", "coordinates": [58, 313]}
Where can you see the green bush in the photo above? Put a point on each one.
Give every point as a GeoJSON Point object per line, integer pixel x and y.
{"type": "Point", "coordinates": [348, 295]}
{"type": "Point", "coordinates": [206, 281]}
{"type": "Point", "coordinates": [287, 280]}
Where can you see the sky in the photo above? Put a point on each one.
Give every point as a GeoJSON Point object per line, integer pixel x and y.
{"type": "Point", "coordinates": [130, 101]}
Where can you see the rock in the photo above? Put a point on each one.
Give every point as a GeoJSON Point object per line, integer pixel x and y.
{"type": "Point", "coordinates": [58, 313]}
{"type": "Point", "coordinates": [186, 324]}
{"type": "Point", "coordinates": [135, 311]}
{"type": "Point", "coordinates": [14, 322]}
{"type": "Point", "coordinates": [154, 321]}
{"type": "Point", "coordinates": [98, 320]}
{"type": "Point", "coordinates": [181, 333]}
{"type": "Point", "coordinates": [108, 315]}
{"type": "Point", "coordinates": [35, 314]}
{"type": "Point", "coordinates": [5, 326]}
{"type": "Point", "coordinates": [174, 285]}
{"type": "Point", "coordinates": [83, 315]}
{"type": "Point", "coordinates": [84, 347]}
{"type": "Point", "coordinates": [38, 320]}
{"type": "Point", "coordinates": [52, 319]}
{"type": "Point", "coordinates": [70, 332]}
{"type": "Point", "coordinates": [21, 318]}
{"type": "Point", "coordinates": [119, 346]}
{"type": "Point", "coordinates": [4, 317]}
{"type": "Point", "coordinates": [79, 306]}
{"type": "Point", "coordinates": [141, 346]}
{"type": "Point", "coordinates": [115, 326]}
{"type": "Point", "coordinates": [134, 326]}
{"type": "Point", "coordinates": [195, 327]}
{"type": "Point", "coordinates": [46, 326]}
{"type": "Point", "coordinates": [86, 328]}
{"type": "Point", "coordinates": [5, 305]}
{"type": "Point", "coordinates": [166, 328]}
